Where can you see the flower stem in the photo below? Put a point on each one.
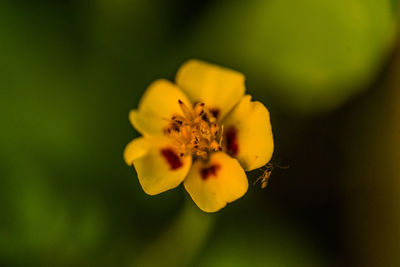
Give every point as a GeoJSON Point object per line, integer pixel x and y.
{"type": "Point", "coordinates": [181, 241]}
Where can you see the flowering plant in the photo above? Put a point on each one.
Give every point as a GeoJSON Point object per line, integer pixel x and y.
{"type": "Point", "coordinates": [202, 131]}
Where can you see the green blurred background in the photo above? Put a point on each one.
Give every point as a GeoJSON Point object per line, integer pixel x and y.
{"type": "Point", "coordinates": [70, 71]}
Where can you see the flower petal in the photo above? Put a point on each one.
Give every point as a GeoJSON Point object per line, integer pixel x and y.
{"type": "Point", "coordinates": [219, 88]}
{"type": "Point", "coordinates": [158, 164]}
{"type": "Point", "coordinates": [248, 134]}
{"type": "Point", "coordinates": [214, 184]}
{"type": "Point", "coordinates": [158, 104]}
{"type": "Point", "coordinates": [147, 124]}
{"type": "Point", "coordinates": [137, 148]}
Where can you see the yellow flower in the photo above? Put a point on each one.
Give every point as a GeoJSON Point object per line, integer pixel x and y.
{"type": "Point", "coordinates": [202, 131]}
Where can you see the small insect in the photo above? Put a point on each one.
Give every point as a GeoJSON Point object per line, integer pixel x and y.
{"type": "Point", "coordinates": [267, 170]}
{"type": "Point", "coordinates": [263, 179]}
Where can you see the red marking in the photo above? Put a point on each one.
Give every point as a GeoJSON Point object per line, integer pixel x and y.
{"type": "Point", "coordinates": [173, 160]}
{"type": "Point", "coordinates": [208, 171]}
{"type": "Point", "coordinates": [232, 141]}
{"type": "Point", "coordinates": [215, 112]}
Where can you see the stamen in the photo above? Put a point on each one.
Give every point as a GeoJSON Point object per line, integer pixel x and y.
{"type": "Point", "coordinates": [215, 112]}
{"type": "Point", "coordinates": [198, 109]}
{"type": "Point", "coordinates": [186, 111]}
{"type": "Point", "coordinates": [197, 132]}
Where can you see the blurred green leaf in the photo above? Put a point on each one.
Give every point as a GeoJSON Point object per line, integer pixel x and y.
{"type": "Point", "coordinates": [256, 244]}
{"type": "Point", "coordinates": [307, 55]}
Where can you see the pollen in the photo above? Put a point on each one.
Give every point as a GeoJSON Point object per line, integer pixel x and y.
{"type": "Point", "coordinates": [197, 132]}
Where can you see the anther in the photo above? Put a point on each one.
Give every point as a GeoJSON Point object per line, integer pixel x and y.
{"type": "Point", "coordinates": [186, 111]}
{"type": "Point", "coordinates": [196, 130]}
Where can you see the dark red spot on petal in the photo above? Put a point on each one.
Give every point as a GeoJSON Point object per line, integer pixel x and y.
{"type": "Point", "coordinates": [209, 171]}
{"type": "Point", "coordinates": [215, 112]}
{"type": "Point", "coordinates": [232, 141]}
{"type": "Point", "coordinates": [172, 158]}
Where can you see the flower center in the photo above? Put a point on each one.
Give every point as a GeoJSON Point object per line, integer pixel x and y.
{"type": "Point", "coordinates": [197, 132]}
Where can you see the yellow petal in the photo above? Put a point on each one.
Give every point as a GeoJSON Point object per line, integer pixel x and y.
{"type": "Point", "coordinates": [147, 124]}
{"type": "Point", "coordinates": [219, 88]}
{"type": "Point", "coordinates": [248, 134]}
{"type": "Point", "coordinates": [214, 184]}
{"type": "Point", "coordinates": [158, 104]}
{"type": "Point", "coordinates": [137, 148]}
{"type": "Point", "coordinates": [160, 167]}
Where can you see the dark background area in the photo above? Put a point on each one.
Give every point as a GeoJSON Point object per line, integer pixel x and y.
{"type": "Point", "coordinates": [328, 71]}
